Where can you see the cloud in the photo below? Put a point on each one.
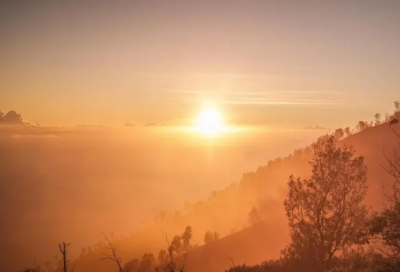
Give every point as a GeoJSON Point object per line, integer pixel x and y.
{"type": "Point", "coordinates": [285, 98]}
{"type": "Point", "coordinates": [11, 118]}
{"type": "Point", "coordinates": [128, 125]}
{"type": "Point", "coordinates": [316, 127]}
{"type": "Point", "coordinates": [89, 126]}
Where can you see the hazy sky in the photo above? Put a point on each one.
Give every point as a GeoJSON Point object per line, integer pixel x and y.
{"type": "Point", "coordinates": [263, 62]}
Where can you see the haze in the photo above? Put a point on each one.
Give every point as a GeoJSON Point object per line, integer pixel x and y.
{"type": "Point", "coordinates": [118, 115]}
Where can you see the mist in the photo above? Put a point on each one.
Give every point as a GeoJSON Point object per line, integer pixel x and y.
{"type": "Point", "coordinates": [74, 183]}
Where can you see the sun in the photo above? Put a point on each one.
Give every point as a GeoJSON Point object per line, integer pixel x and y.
{"type": "Point", "coordinates": [210, 122]}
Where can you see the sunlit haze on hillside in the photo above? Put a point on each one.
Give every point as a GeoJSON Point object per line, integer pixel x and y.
{"type": "Point", "coordinates": [199, 135]}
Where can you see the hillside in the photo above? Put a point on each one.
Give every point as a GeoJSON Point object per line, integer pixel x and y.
{"type": "Point", "coordinates": [265, 189]}
{"type": "Point", "coordinates": [251, 246]}
{"type": "Point", "coordinates": [112, 179]}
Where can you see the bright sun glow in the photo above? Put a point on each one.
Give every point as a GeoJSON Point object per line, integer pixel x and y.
{"type": "Point", "coordinates": [210, 122]}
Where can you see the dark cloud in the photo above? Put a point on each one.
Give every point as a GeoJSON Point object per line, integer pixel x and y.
{"type": "Point", "coordinates": [12, 118]}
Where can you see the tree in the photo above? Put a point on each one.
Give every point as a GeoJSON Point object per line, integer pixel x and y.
{"type": "Point", "coordinates": [186, 237]}
{"type": "Point", "coordinates": [163, 258]}
{"type": "Point", "coordinates": [112, 256]}
{"type": "Point", "coordinates": [387, 117]}
{"type": "Point", "coordinates": [83, 251]}
{"type": "Point", "coordinates": [63, 249]}
{"type": "Point", "coordinates": [361, 125]}
{"type": "Point", "coordinates": [216, 236]}
{"type": "Point", "coordinates": [147, 263]}
{"type": "Point", "coordinates": [396, 106]}
{"type": "Point", "coordinates": [180, 244]}
{"type": "Point", "coordinates": [377, 117]}
{"type": "Point", "coordinates": [339, 133]}
{"type": "Point", "coordinates": [208, 237]}
{"type": "Point", "coordinates": [386, 225]}
{"type": "Point", "coordinates": [254, 216]}
{"type": "Point", "coordinates": [131, 266]}
{"type": "Point", "coordinates": [326, 215]}
{"type": "Point", "coordinates": [347, 131]}
{"type": "Point", "coordinates": [176, 245]}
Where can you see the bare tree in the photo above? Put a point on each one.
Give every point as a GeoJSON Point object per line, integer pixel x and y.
{"type": "Point", "coordinates": [171, 265]}
{"type": "Point", "coordinates": [112, 255]}
{"type": "Point", "coordinates": [63, 249]}
{"type": "Point", "coordinates": [233, 268]}
{"type": "Point", "coordinates": [174, 250]}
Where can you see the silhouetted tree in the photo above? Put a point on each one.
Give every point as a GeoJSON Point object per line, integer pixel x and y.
{"type": "Point", "coordinates": [163, 258]}
{"type": "Point", "coordinates": [339, 133]}
{"type": "Point", "coordinates": [186, 237]}
{"type": "Point", "coordinates": [176, 245]}
{"type": "Point", "coordinates": [112, 255]}
{"type": "Point", "coordinates": [208, 237]}
{"type": "Point", "coordinates": [83, 252]}
{"type": "Point", "coordinates": [394, 121]}
{"type": "Point", "coordinates": [167, 260]}
{"type": "Point", "coordinates": [396, 106]}
{"type": "Point", "coordinates": [326, 215]}
{"type": "Point", "coordinates": [254, 216]}
{"type": "Point", "coordinates": [63, 249]}
{"type": "Point", "coordinates": [347, 131]}
{"type": "Point", "coordinates": [386, 225]}
{"type": "Point", "coordinates": [377, 117]}
{"type": "Point", "coordinates": [361, 125]}
{"type": "Point", "coordinates": [131, 266]}
{"type": "Point", "coordinates": [216, 236]}
{"type": "Point", "coordinates": [147, 264]}
{"type": "Point", "coordinates": [387, 117]}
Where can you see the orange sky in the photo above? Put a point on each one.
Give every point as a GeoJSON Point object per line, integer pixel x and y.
{"type": "Point", "coordinates": [262, 62]}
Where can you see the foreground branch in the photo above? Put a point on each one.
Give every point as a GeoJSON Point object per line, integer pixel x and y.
{"type": "Point", "coordinates": [111, 256]}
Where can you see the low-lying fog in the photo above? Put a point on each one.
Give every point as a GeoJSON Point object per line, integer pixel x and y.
{"type": "Point", "coordinates": [70, 184]}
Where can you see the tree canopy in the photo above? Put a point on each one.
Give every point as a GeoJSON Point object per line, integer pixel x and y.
{"type": "Point", "coordinates": [325, 212]}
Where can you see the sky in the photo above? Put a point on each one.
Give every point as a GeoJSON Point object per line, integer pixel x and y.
{"type": "Point", "coordinates": [292, 63]}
